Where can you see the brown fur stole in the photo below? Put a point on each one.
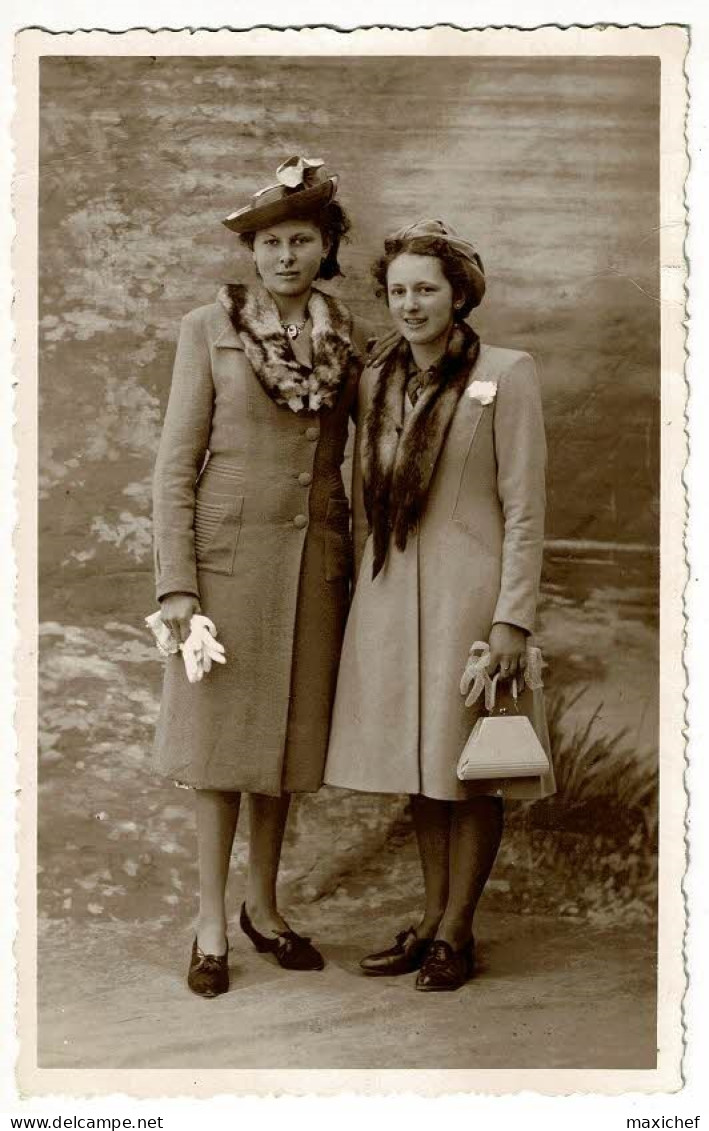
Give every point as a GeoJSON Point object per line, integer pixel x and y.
{"type": "Point", "coordinates": [400, 453]}
{"type": "Point", "coordinates": [254, 316]}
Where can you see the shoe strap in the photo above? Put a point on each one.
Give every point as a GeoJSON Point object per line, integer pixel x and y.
{"type": "Point", "coordinates": [404, 935]}
{"type": "Point", "coordinates": [289, 940]}
{"type": "Point", "coordinates": [210, 961]}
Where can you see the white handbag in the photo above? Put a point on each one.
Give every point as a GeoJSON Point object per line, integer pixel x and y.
{"type": "Point", "coordinates": [503, 743]}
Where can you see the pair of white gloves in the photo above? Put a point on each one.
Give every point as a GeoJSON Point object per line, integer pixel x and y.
{"type": "Point", "coordinates": [200, 650]}
{"type": "Point", "coordinates": [476, 677]}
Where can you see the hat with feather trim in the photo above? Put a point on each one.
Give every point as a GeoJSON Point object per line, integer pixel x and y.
{"type": "Point", "coordinates": [303, 187]}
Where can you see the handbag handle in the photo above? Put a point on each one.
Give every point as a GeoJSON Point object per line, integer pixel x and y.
{"type": "Point", "coordinates": [493, 692]}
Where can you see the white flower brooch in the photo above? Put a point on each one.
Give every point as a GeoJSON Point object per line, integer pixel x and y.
{"type": "Point", "coordinates": [482, 391]}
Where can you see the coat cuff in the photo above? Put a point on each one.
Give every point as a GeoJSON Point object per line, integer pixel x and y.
{"type": "Point", "coordinates": [176, 584]}
{"type": "Point", "coordinates": [517, 617]}
{"type": "Point", "coordinates": [515, 624]}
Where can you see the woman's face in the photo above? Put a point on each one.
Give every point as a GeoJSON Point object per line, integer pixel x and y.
{"type": "Point", "coordinates": [420, 298]}
{"type": "Point", "coordinates": [288, 256]}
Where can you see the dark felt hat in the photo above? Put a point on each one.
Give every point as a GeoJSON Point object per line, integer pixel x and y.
{"type": "Point", "coordinates": [303, 187]}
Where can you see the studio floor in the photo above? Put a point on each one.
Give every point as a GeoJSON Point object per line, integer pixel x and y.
{"type": "Point", "coordinates": [549, 994]}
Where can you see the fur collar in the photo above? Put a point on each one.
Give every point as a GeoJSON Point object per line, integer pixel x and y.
{"type": "Point", "coordinates": [254, 316]}
{"type": "Point", "coordinates": [400, 453]}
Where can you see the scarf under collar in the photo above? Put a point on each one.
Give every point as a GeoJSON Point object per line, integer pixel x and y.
{"type": "Point", "coordinates": [254, 316]}
{"type": "Point", "coordinates": [400, 452]}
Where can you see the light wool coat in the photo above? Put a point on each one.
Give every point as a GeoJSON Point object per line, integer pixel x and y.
{"type": "Point", "coordinates": [251, 516]}
{"type": "Point", "coordinates": [400, 722]}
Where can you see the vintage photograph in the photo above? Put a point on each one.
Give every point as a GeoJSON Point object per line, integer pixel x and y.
{"type": "Point", "coordinates": [349, 463]}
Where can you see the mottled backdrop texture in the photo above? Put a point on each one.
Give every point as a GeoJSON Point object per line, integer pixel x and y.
{"type": "Point", "coordinates": [551, 165]}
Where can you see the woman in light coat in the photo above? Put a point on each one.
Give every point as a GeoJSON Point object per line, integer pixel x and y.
{"type": "Point", "coordinates": [252, 529]}
{"type": "Point", "coordinates": [452, 455]}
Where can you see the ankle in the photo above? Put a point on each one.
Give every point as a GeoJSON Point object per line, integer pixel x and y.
{"type": "Point", "coordinates": [211, 936]}
{"type": "Point", "coordinates": [212, 920]}
{"type": "Point", "coordinates": [257, 905]}
{"type": "Point", "coordinates": [264, 914]}
{"type": "Point", "coordinates": [428, 926]}
{"type": "Point", "coordinates": [455, 930]}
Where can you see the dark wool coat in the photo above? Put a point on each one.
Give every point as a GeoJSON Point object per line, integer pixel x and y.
{"type": "Point", "coordinates": [400, 722]}
{"type": "Point", "coordinates": [260, 533]}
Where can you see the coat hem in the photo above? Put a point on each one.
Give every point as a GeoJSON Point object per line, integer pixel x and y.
{"type": "Point", "coordinates": [491, 792]}
{"type": "Point", "coordinates": [180, 781]}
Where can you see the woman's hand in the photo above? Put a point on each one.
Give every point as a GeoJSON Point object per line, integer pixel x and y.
{"type": "Point", "coordinates": [508, 650]}
{"type": "Point", "coordinates": [177, 610]}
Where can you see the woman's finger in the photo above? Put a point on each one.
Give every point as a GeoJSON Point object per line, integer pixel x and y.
{"type": "Point", "coordinates": [183, 629]}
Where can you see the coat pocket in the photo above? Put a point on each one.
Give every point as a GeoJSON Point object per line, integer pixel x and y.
{"type": "Point", "coordinates": [217, 524]}
{"type": "Point", "coordinates": [338, 541]}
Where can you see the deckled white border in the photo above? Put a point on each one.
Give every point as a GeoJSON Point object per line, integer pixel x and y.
{"type": "Point", "coordinates": [509, 42]}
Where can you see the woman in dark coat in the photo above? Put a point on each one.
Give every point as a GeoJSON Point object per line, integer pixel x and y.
{"type": "Point", "coordinates": [449, 527]}
{"type": "Point", "coordinates": [252, 529]}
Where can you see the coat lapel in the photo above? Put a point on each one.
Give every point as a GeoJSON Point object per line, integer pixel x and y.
{"type": "Point", "coordinates": [227, 336]}
{"type": "Point", "coordinates": [474, 409]}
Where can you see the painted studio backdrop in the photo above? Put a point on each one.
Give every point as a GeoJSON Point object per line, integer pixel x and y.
{"type": "Point", "coordinates": [551, 166]}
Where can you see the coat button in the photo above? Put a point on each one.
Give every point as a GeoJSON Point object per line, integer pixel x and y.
{"type": "Point", "coordinates": [305, 478]}
{"type": "Point", "coordinates": [312, 433]}
{"type": "Point", "coordinates": [300, 521]}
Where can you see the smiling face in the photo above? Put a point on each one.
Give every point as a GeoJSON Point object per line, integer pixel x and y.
{"type": "Point", "coordinates": [288, 256]}
{"type": "Point", "coordinates": [420, 299]}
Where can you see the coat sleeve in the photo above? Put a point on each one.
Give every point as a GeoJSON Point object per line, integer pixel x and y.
{"type": "Point", "coordinates": [520, 449]}
{"type": "Point", "coordinates": [181, 453]}
{"type": "Point", "coordinates": [360, 525]}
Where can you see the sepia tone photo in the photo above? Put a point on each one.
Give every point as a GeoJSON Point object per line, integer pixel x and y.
{"type": "Point", "coordinates": [349, 694]}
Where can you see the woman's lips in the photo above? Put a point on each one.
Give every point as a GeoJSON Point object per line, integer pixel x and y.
{"type": "Point", "coordinates": [414, 323]}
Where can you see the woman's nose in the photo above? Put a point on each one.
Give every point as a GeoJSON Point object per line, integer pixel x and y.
{"type": "Point", "coordinates": [411, 302]}
{"type": "Point", "coordinates": [287, 255]}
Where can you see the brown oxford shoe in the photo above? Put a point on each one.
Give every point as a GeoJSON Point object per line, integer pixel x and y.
{"type": "Point", "coordinates": [405, 956]}
{"type": "Point", "coordinates": [445, 969]}
{"type": "Point", "coordinates": [208, 974]}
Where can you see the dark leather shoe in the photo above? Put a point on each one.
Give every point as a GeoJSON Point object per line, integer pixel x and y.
{"type": "Point", "coordinates": [208, 974]}
{"type": "Point", "coordinates": [292, 951]}
{"type": "Point", "coordinates": [405, 956]}
{"type": "Point", "coordinates": [445, 968]}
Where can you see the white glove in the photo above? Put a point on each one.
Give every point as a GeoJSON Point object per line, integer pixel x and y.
{"type": "Point", "coordinates": [200, 650]}
{"type": "Point", "coordinates": [164, 640]}
{"type": "Point", "coordinates": [476, 673]}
